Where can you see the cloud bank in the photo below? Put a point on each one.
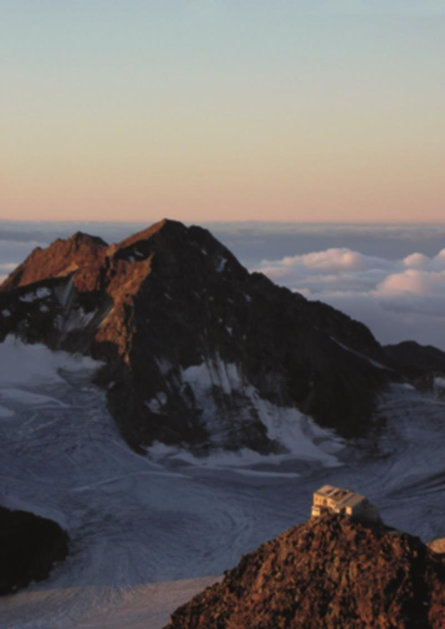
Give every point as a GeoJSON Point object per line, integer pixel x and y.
{"type": "Point", "coordinates": [398, 299]}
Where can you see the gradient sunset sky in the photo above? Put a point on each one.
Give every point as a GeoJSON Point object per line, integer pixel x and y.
{"type": "Point", "coordinates": [205, 110]}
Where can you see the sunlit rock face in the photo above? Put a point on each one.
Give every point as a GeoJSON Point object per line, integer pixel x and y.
{"type": "Point", "coordinates": [329, 572]}
{"type": "Point", "coordinates": [197, 350]}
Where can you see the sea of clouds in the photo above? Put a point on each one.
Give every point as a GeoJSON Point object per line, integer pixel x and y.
{"type": "Point", "coordinates": [390, 277]}
{"type": "Point", "coordinates": [398, 299]}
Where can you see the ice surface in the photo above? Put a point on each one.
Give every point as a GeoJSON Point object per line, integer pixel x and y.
{"type": "Point", "coordinates": [6, 412]}
{"type": "Point", "coordinates": [28, 398]}
{"type": "Point", "coordinates": [135, 521]}
{"type": "Point", "coordinates": [141, 607]}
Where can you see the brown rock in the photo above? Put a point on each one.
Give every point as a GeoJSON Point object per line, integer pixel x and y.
{"type": "Point", "coordinates": [438, 545]}
{"type": "Point", "coordinates": [382, 579]}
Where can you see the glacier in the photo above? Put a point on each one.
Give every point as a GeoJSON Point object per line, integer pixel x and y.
{"type": "Point", "coordinates": [147, 532]}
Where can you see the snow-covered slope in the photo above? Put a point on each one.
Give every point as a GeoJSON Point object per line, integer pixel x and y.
{"type": "Point", "coordinates": [135, 520]}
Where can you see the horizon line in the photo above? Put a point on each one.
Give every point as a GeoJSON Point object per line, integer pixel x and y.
{"type": "Point", "coordinates": [223, 222]}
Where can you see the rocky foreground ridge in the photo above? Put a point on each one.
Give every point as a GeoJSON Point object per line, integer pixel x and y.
{"type": "Point", "coordinates": [328, 572]}
{"type": "Point", "coordinates": [197, 350]}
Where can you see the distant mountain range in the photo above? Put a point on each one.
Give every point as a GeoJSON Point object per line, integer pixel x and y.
{"type": "Point", "coordinates": [197, 351]}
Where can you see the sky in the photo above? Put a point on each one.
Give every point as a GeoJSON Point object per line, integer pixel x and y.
{"type": "Point", "coordinates": [199, 110]}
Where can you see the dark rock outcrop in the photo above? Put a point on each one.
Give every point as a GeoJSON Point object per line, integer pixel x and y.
{"type": "Point", "coordinates": [29, 546]}
{"type": "Point", "coordinates": [193, 343]}
{"type": "Point", "coordinates": [329, 572]}
{"type": "Point", "coordinates": [418, 363]}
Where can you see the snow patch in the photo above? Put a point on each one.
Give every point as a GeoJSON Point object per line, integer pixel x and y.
{"type": "Point", "coordinates": [64, 294]}
{"type": "Point", "coordinates": [221, 264]}
{"type": "Point", "coordinates": [6, 313]}
{"type": "Point", "coordinates": [407, 386]}
{"type": "Point", "coordinates": [360, 355]}
{"type": "Point", "coordinates": [296, 432]}
{"type": "Point", "coordinates": [78, 319]}
{"type": "Point", "coordinates": [164, 366]}
{"type": "Point", "coordinates": [439, 382]}
{"type": "Point", "coordinates": [214, 373]}
{"type": "Point", "coordinates": [40, 293]}
{"type": "Point", "coordinates": [156, 403]}
{"type": "Point", "coordinates": [37, 364]}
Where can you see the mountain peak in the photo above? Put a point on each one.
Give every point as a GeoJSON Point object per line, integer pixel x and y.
{"type": "Point", "coordinates": [81, 238]}
{"type": "Point", "coordinates": [61, 258]}
{"type": "Point", "coordinates": [164, 225]}
{"type": "Point", "coordinates": [197, 349]}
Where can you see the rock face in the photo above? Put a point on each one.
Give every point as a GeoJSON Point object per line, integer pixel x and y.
{"type": "Point", "coordinates": [418, 363]}
{"type": "Point", "coordinates": [197, 351]}
{"type": "Point", "coordinates": [328, 572]}
{"type": "Point", "coordinates": [29, 546]}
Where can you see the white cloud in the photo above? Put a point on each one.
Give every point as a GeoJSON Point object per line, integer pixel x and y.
{"type": "Point", "coordinates": [332, 260]}
{"type": "Point", "coordinates": [331, 266]}
{"type": "Point", "coordinates": [415, 260]}
{"type": "Point", "coordinates": [439, 260]}
{"type": "Point", "coordinates": [7, 267]}
{"type": "Point", "coordinates": [398, 299]}
{"type": "Point", "coordinates": [412, 281]}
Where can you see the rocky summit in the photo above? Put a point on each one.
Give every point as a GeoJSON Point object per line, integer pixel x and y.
{"type": "Point", "coordinates": [197, 351]}
{"type": "Point", "coordinates": [329, 572]}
